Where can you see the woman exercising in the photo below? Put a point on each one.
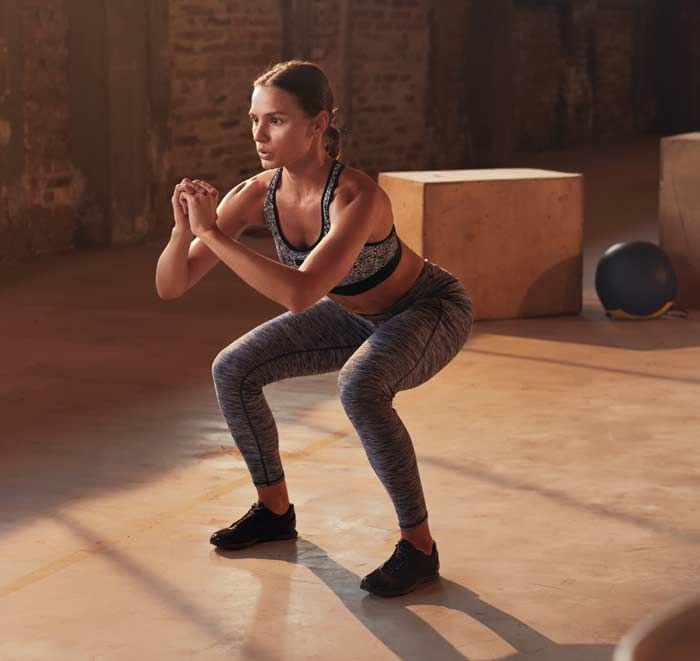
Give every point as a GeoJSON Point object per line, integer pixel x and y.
{"type": "Point", "coordinates": [358, 300]}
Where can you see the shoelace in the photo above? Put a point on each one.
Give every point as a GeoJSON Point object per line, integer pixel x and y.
{"type": "Point", "coordinates": [398, 558]}
{"type": "Point", "coordinates": [253, 508]}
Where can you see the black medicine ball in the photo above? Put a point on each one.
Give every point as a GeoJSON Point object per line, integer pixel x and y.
{"type": "Point", "coordinates": [635, 280]}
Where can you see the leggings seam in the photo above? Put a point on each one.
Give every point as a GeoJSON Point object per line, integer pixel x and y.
{"type": "Point", "coordinates": [240, 393]}
{"type": "Point", "coordinates": [425, 348]}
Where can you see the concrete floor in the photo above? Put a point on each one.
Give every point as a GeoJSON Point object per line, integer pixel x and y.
{"type": "Point", "coordinates": [559, 459]}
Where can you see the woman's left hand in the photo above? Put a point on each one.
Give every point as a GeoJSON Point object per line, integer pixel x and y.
{"type": "Point", "coordinates": [201, 207]}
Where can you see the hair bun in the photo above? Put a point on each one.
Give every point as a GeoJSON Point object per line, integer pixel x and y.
{"type": "Point", "coordinates": [332, 141]}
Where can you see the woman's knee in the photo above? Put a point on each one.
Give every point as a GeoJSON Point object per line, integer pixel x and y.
{"type": "Point", "coordinates": [358, 388]}
{"type": "Point", "coordinates": [229, 364]}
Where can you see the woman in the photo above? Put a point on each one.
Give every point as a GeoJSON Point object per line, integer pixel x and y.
{"type": "Point", "coordinates": [358, 300]}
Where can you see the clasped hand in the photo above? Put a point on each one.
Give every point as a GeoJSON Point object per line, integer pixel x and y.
{"type": "Point", "coordinates": [201, 199]}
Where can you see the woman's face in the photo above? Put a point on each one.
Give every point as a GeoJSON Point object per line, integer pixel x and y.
{"type": "Point", "coordinates": [283, 134]}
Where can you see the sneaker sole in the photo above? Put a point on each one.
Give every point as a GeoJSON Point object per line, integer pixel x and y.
{"type": "Point", "coordinates": [398, 593]}
{"type": "Point", "coordinates": [242, 545]}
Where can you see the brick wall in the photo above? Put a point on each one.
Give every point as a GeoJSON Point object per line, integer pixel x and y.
{"type": "Point", "coordinates": [614, 63]}
{"type": "Point", "coordinates": [7, 197]}
{"type": "Point", "coordinates": [583, 71]}
{"type": "Point", "coordinates": [324, 41]}
{"type": "Point", "coordinates": [454, 150]}
{"type": "Point", "coordinates": [36, 214]}
{"type": "Point", "coordinates": [537, 75]}
{"type": "Point", "coordinates": [216, 51]}
{"type": "Point", "coordinates": [679, 66]}
{"type": "Point", "coordinates": [389, 66]}
{"type": "Point", "coordinates": [690, 16]}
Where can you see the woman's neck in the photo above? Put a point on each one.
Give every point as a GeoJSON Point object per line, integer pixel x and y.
{"type": "Point", "coordinates": [304, 178]}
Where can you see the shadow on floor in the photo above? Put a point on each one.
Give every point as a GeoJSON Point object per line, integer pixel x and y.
{"type": "Point", "coordinates": [593, 328]}
{"type": "Point", "coordinates": [511, 484]}
{"type": "Point", "coordinates": [77, 438]}
{"type": "Point", "coordinates": [391, 621]}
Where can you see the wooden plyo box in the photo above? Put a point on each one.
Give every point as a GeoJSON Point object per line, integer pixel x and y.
{"type": "Point", "coordinates": [513, 237]}
{"type": "Point", "coordinates": [679, 212]}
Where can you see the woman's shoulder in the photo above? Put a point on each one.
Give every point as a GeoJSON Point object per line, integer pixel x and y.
{"type": "Point", "coordinates": [247, 198]}
{"type": "Point", "coordinates": [253, 188]}
{"type": "Point", "coordinates": [259, 182]}
{"type": "Point", "coordinates": [354, 182]}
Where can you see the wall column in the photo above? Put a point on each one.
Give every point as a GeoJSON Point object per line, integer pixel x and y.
{"type": "Point", "coordinates": [108, 95]}
{"type": "Point", "coordinates": [489, 75]}
{"type": "Point", "coordinates": [11, 128]}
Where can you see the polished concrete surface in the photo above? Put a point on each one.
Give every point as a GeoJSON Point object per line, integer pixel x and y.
{"type": "Point", "coordinates": [559, 458]}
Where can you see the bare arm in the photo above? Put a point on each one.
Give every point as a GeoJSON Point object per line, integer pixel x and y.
{"type": "Point", "coordinates": [278, 282]}
{"type": "Point", "coordinates": [185, 259]}
{"type": "Point", "coordinates": [356, 211]}
{"type": "Point", "coordinates": [355, 214]}
{"type": "Point", "coordinates": [172, 270]}
{"type": "Point", "coordinates": [184, 262]}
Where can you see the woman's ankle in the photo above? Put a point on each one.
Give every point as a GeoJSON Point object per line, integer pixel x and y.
{"type": "Point", "coordinates": [276, 507]}
{"type": "Point", "coordinates": [423, 545]}
{"type": "Point", "coordinates": [275, 497]}
{"type": "Point", "coordinates": [420, 537]}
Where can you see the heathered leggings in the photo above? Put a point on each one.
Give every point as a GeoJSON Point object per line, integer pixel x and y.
{"type": "Point", "coordinates": [377, 355]}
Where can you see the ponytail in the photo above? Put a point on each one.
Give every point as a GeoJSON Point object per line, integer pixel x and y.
{"type": "Point", "coordinates": [332, 136]}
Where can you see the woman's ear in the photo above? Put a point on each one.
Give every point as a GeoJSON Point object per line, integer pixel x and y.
{"type": "Point", "coordinates": [321, 122]}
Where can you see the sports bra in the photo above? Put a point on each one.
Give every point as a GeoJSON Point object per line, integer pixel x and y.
{"type": "Point", "coordinates": [375, 263]}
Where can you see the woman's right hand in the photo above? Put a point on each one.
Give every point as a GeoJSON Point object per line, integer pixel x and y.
{"type": "Point", "coordinates": [182, 223]}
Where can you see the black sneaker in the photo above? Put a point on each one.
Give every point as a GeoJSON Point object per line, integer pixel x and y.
{"type": "Point", "coordinates": [405, 570]}
{"type": "Point", "coordinates": [258, 524]}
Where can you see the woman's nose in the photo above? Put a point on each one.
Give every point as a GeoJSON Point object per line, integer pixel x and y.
{"type": "Point", "coordinates": [259, 135]}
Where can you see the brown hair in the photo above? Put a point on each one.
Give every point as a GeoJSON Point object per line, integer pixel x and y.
{"type": "Point", "coordinates": [309, 85]}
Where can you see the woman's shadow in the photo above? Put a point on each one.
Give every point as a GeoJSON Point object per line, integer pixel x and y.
{"type": "Point", "coordinates": [402, 631]}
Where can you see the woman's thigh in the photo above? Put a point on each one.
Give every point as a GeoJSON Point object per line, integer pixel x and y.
{"type": "Point", "coordinates": [409, 348]}
{"type": "Point", "coordinates": [317, 340]}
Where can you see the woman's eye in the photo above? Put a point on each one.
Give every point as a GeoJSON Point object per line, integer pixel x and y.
{"type": "Point", "coordinates": [275, 120]}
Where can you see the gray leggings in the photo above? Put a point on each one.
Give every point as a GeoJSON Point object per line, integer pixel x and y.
{"type": "Point", "coordinates": [377, 355]}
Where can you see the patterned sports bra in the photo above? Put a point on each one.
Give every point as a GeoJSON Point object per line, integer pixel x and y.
{"type": "Point", "coordinates": [376, 261]}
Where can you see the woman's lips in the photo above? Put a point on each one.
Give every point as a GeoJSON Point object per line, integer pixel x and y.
{"type": "Point", "coordinates": [264, 154]}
